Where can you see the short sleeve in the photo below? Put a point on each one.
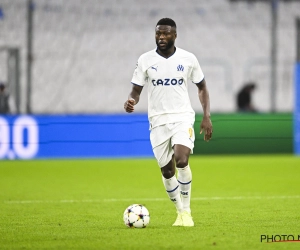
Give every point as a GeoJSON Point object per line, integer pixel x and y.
{"type": "Point", "coordinates": [139, 75]}
{"type": "Point", "coordinates": [196, 74]}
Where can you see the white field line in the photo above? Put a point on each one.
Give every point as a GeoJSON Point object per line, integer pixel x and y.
{"type": "Point", "coordinates": [153, 199]}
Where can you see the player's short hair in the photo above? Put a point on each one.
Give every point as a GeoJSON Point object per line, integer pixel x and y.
{"type": "Point", "coordinates": [166, 21]}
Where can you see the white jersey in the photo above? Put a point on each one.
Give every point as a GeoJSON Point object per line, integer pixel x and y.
{"type": "Point", "coordinates": [167, 78]}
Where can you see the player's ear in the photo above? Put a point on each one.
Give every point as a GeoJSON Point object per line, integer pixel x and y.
{"type": "Point", "coordinates": [175, 34]}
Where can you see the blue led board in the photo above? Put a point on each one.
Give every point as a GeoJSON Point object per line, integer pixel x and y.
{"type": "Point", "coordinates": [74, 136]}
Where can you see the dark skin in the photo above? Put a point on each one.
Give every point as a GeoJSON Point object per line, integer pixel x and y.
{"type": "Point", "coordinates": [165, 39]}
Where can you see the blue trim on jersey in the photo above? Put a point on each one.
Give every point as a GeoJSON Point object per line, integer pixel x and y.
{"type": "Point", "coordinates": [199, 82]}
{"type": "Point", "coordinates": [136, 84]}
{"type": "Point", "coordinates": [172, 190]}
{"type": "Point", "coordinates": [184, 183]}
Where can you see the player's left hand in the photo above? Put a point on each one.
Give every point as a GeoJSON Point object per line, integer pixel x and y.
{"type": "Point", "coordinates": [206, 126]}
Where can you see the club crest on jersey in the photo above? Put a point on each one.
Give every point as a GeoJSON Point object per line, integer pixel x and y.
{"type": "Point", "coordinates": [180, 68]}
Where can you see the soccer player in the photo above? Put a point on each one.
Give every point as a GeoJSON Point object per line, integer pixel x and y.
{"type": "Point", "coordinates": [166, 70]}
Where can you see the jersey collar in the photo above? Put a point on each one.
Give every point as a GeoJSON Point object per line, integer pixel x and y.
{"type": "Point", "coordinates": [169, 56]}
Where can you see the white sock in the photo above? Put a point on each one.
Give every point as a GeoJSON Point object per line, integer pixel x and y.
{"type": "Point", "coordinates": [184, 177]}
{"type": "Point", "coordinates": [172, 188]}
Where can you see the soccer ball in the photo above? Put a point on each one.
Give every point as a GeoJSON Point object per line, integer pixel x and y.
{"type": "Point", "coordinates": [137, 216]}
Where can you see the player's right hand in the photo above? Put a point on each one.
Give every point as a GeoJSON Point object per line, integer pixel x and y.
{"type": "Point", "coordinates": [129, 105]}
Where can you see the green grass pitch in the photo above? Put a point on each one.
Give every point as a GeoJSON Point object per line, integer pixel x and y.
{"type": "Point", "coordinates": [79, 204]}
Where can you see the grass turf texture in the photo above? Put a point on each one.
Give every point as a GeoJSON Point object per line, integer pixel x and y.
{"type": "Point", "coordinates": [79, 204]}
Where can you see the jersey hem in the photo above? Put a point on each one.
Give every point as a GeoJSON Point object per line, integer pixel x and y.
{"type": "Point", "coordinates": [136, 84]}
{"type": "Point", "coordinates": [199, 81]}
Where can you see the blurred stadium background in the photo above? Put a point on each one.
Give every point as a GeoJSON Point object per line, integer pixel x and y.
{"type": "Point", "coordinates": [68, 67]}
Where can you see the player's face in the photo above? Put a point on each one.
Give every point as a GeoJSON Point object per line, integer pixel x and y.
{"type": "Point", "coordinates": [165, 37]}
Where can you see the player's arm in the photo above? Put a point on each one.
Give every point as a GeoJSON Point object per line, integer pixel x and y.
{"type": "Point", "coordinates": [206, 123]}
{"type": "Point", "coordinates": [133, 98]}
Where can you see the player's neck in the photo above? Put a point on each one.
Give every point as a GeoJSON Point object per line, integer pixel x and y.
{"type": "Point", "coordinates": [167, 53]}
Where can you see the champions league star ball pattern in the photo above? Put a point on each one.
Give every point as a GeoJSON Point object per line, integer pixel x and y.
{"type": "Point", "coordinates": [137, 216]}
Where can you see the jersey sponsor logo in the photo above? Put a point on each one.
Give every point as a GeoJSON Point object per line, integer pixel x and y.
{"type": "Point", "coordinates": [180, 68]}
{"type": "Point", "coordinates": [167, 82]}
{"type": "Point", "coordinates": [154, 68]}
